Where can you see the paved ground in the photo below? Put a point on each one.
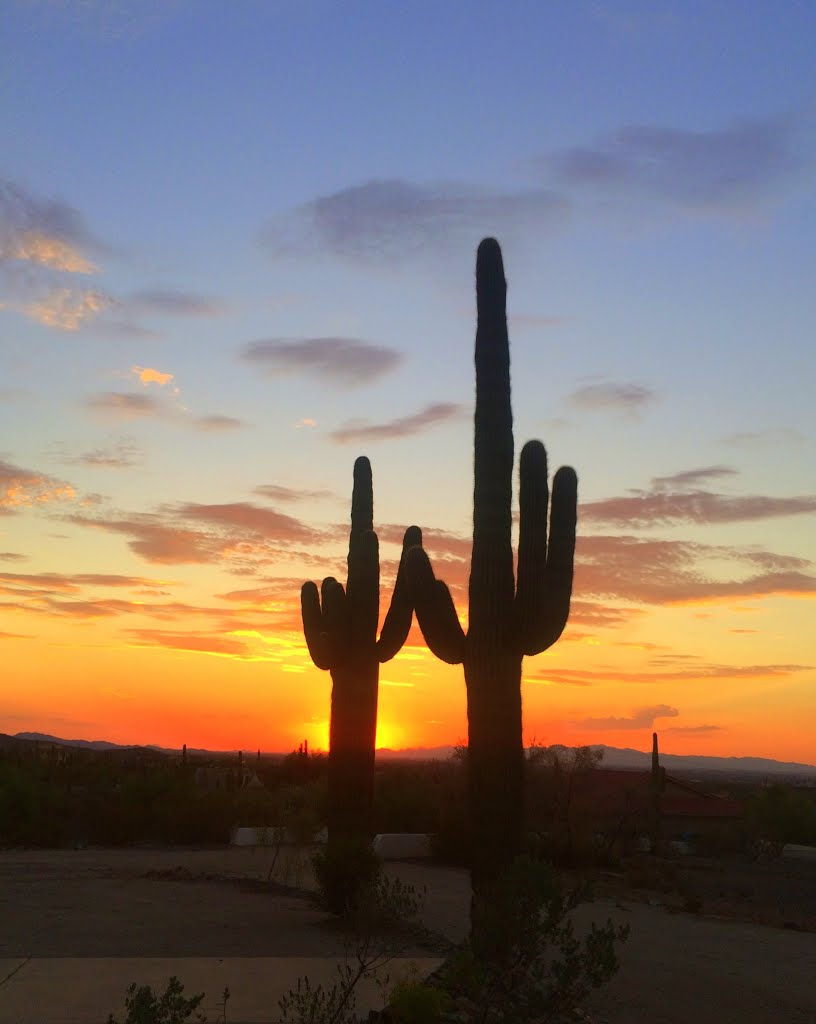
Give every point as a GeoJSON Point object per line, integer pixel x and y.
{"type": "Point", "coordinates": [94, 921]}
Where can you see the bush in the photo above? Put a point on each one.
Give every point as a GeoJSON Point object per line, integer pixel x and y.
{"type": "Point", "coordinates": [345, 871]}
{"type": "Point", "coordinates": [143, 1006]}
{"type": "Point", "coordinates": [524, 961]}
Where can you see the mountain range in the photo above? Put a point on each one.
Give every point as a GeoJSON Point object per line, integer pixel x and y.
{"type": "Point", "coordinates": [613, 757]}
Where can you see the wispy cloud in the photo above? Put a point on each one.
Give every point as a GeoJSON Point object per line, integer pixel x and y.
{"type": "Point", "coordinates": [675, 499]}
{"type": "Point", "coordinates": [623, 397]}
{"type": "Point", "coordinates": [711, 170]}
{"type": "Point", "coordinates": [24, 488]}
{"type": "Point", "coordinates": [120, 455]}
{"type": "Point", "coordinates": [275, 492]}
{"type": "Point", "coordinates": [345, 361]}
{"type": "Point", "coordinates": [201, 643]}
{"type": "Point", "coordinates": [212, 423]}
{"type": "Point", "coordinates": [691, 730]}
{"type": "Point", "coordinates": [667, 669]}
{"type": "Point", "coordinates": [124, 405]}
{"type": "Point", "coordinates": [171, 302]}
{"type": "Point", "coordinates": [394, 219]}
{"type": "Point", "coordinates": [402, 426]}
{"type": "Point", "coordinates": [782, 437]}
{"type": "Point", "coordinates": [642, 718]}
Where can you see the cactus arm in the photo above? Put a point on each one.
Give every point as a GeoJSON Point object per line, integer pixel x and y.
{"type": "Point", "coordinates": [545, 568]}
{"type": "Point", "coordinates": [435, 610]}
{"type": "Point", "coordinates": [317, 640]}
{"type": "Point", "coordinates": [397, 623]}
{"type": "Point", "coordinates": [492, 585]}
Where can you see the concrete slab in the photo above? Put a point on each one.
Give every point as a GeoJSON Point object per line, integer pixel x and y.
{"type": "Point", "coordinates": [84, 990]}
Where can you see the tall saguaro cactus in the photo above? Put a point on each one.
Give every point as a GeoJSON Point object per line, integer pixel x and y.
{"type": "Point", "coordinates": [508, 617]}
{"type": "Point", "coordinates": [340, 626]}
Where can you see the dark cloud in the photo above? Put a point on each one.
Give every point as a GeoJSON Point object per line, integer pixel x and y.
{"type": "Point", "coordinates": [12, 556]}
{"type": "Point", "coordinates": [403, 426]}
{"type": "Point", "coordinates": [173, 303]}
{"type": "Point", "coordinates": [624, 397]}
{"type": "Point", "coordinates": [216, 423]}
{"type": "Point", "coordinates": [642, 718]}
{"type": "Point", "coordinates": [157, 539]}
{"type": "Point", "coordinates": [720, 168]}
{"type": "Point", "coordinates": [346, 361]}
{"type": "Point", "coordinates": [394, 219]}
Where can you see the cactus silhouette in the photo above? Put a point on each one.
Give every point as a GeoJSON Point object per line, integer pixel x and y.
{"type": "Point", "coordinates": [507, 618]}
{"type": "Point", "coordinates": [340, 627]}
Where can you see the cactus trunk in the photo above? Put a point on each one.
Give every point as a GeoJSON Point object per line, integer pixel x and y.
{"type": "Point", "coordinates": [340, 627]}
{"type": "Point", "coordinates": [507, 619]}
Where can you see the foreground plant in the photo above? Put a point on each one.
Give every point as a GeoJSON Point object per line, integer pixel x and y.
{"type": "Point", "coordinates": [527, 964]}
{"type": "Point", "coordinates": [143, 1006]}
{"type": "Point", "coordinates": [376, 931]}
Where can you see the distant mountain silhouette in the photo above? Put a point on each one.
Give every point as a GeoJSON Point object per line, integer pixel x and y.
{"type": "Point", "coordinates": [614, 757]}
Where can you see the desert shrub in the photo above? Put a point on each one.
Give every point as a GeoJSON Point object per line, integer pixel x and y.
{"type": "Point", "coordinates": [143, 1006]}
{"type": "Point", "coordinates": [345, 871]}
{"type": "Point", "coordinates": [413, 1002]}
{"type": "Point", "coordinates": [525, 961]}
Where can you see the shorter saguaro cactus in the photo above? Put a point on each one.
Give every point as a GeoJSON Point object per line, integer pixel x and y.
{"type": "Point", "coordinates": [340, 626]}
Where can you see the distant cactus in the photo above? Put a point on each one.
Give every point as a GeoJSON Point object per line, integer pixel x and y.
{"type": "Point", "coordinates": [507, 618]}
{"type": "Point", "coordinates": [340, 627]}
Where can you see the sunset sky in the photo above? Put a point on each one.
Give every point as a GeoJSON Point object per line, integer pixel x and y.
{"type": "Point", "coordinates": [237, 247]}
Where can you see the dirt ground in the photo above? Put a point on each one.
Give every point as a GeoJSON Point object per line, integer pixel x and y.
{"type": "Point", "coordinates": [676, 966]}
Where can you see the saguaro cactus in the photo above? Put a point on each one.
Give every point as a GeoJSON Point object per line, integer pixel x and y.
{"type": "Point", "coordinates": [340, 627]}
{"type": "Point", "coordinates": [507, 618]}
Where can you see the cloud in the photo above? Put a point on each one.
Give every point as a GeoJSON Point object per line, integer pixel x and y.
{"type": "Point", "coordinates": [691, 730]}
{"type": "Point", "coordinates": [245, 516]}
{"type": "Point", "coordinates": [669, 572]}
{"type": "Point", "coordinates": [67, 309]}
{"type": "Point", "coordinates": [46, 233]}
{"type": "Point", "coordinates": [12, 556]}
{"type": "Point", "coordinates": [215, 423]}
{"type": "Point", "coordinates": [122, 405]}
{"type": "Point", "coordinates": [394, 219]}
{"type": "Point", "coordinates": [24, 488]}
{"type": "Point", "coordinates": [781, 437]}
{"type": "Point", "coordinates": [662, 505]}
{"type": "Point", "coordinates": [624, 397]}
{"type": "Point", "coordinates": [688, 477]}
{"type": "Point", "coordinates": [345, 361]}
{"type": "Point", "coordinates": [121, 455]}
{"type": "Point", "coordinates": [666, 669]}
{"type": "Point", "coordinates": [202, 643]}
{"type": "Point", "coordinates": [170, 302]}
{"type": "Point", "coordinates": [149, 375]}
{"type": "Point", "coordinates": [721, 168]}
{"type": "Point", "coordinates": [275, 492]}
{"type": "Point", "coordinates": [403, 426]}
{"type": "Point", "coordinates": [642, 718]}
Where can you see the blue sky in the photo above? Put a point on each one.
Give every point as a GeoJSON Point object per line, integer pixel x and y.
{"type": "Point", "coordinates": [236, 251]}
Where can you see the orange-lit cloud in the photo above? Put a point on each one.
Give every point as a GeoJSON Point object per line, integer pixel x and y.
{"type": "Point", "coordinates": [212, 423]}
{"type": "Point", "coordinates": [664, 669]}
{"type": "Point", "coordinates": [642, 718]}
{"type": "Point", "coordinates": [200, 643]}
{"type": "Point", "coordinates": [67, 310]}
{"type": "Point", "coordinates": [46, 251]}
{"type": "Point", "coordinates": [23, 488]}
{"type": "Point", "coordinates": [149, 375]}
